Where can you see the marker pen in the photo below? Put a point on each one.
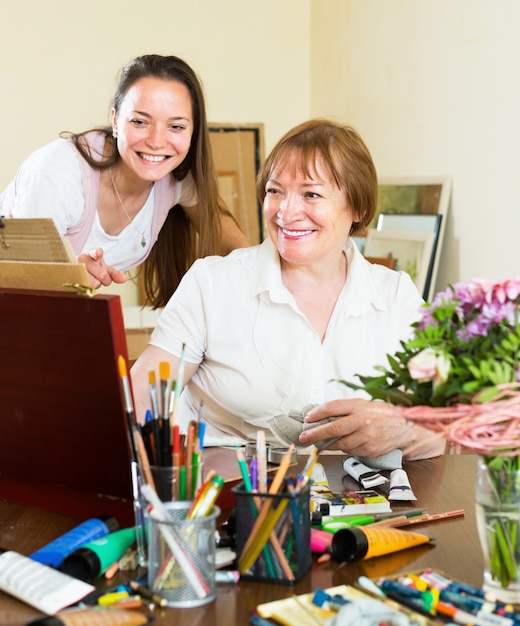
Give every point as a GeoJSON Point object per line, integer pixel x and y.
{"type": "Point", "coordinates": [112, 597]}
{"type": "Point", "coordinates": [369, 585]}
{"type": "Point", "coordinates": [256, 620]}
{"type": "Point", "coordinates": [227, 576]}
{"type": "Point", "coordinates": [93, 558]}
{"type": "Point", "coordinates": [332, 524]}
{"type": "Point", "coordinates": [55, 552]}
{"type": "Point", "coordinates": [320, 540]}
{"type": "Point", "coordinates": [206, 497]}
{"type": "Point", "coordinates": [397, 587]}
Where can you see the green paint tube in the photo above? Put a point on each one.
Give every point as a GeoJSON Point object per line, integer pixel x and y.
{"type": "Point", "coordinates": [93, 558]}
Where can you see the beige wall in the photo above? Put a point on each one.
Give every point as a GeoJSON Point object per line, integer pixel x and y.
{"type": "Point", "coordinates": [432, 85]}
{"type": "Point", "coordinates": [60, 60]}
{"type": "Point", "coordinates": [434, 88]}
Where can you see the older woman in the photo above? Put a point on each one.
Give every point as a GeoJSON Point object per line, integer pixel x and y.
{"type": "Point", "coordinates": [269, 329]}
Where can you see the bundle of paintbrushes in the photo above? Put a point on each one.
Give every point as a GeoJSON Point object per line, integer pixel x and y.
{"type": "Point", "coordinates": [168, 460]}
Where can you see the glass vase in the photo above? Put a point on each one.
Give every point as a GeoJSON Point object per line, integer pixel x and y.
{"type": "Point", "coordinates": [498, 524]}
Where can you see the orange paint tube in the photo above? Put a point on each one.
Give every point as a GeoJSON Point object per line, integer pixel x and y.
{"type": "Point", "coordinates": [364, 542]}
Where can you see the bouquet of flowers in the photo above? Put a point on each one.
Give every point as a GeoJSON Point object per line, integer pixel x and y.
{"type": "Point", "coordinates": [459, 375]}
{"type": "Point", "coordinates": [467, 341]}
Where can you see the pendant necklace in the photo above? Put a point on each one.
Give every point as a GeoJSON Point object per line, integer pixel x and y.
{"type": "Point", "coordinates": [143, 238]}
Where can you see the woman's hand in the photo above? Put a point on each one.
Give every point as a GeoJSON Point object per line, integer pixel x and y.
{"type": "Point", "coordinates": [100, 274]}
{"type": "Point", "coordinates": [369, 428]}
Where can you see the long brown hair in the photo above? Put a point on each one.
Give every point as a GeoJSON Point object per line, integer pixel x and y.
{"type": "Point", "coordinates": [178, 244]}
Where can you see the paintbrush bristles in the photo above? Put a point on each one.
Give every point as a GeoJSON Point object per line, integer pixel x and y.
{"type": "Point", "coordinates": [152, 387]}
{"type": "Point", "coordinates": [122, 366]}
{"type": "Point", "coordinates": [164, 370]}
{"type": "Point", "coordinates": [164, 374]}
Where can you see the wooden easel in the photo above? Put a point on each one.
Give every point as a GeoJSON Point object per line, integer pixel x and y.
{"type": "Point", "coordinates": [34, 256]}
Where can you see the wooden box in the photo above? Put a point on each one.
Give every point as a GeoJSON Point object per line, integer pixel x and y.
{"type": "Point", "coordinates": [64, 442]}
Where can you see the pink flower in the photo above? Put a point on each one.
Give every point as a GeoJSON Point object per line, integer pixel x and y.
{"type": "Point", "coordinates": [429, 365]}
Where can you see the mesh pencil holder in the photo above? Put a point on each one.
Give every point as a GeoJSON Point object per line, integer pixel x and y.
{"type": "Point", "coordinates": [181, 558]}
{"type": "Point", "coordinates": [273, 535]}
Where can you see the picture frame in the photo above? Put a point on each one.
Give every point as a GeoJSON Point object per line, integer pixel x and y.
{"type": "Point", "coordinates": [415, 204]}
{"type": "Point", "coordinates": [413, 195]}
{"type": "Point", "coordinates": [417, 223]}
{"type": "Point", "coordinates": [412, 251]}
{"type": "Point", "coordinates": [238, 153]}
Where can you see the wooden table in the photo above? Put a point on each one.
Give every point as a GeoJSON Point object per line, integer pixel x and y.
{"type": "Point", "coordinates": [441, 484]}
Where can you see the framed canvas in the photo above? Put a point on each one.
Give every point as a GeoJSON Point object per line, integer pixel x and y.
{"type": "Point", "coordinates": [422, 224]}
{"type": "Point", "coordinates": [421, 195]}
{"type": "Point", "coordinates": [411, 250]}
{"type": "Point", "coordinates": [417, 204]}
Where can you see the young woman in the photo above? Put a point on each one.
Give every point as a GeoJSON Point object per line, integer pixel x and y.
{"type": "Point", "coordinates": [143, 189]}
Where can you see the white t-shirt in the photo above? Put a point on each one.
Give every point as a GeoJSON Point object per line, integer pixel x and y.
{"type": "Point", "coordinates": [259, 356]}
{"type": "Point", "coordinates": [49, 184]}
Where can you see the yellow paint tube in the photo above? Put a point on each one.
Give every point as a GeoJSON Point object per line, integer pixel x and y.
{"type": "Point", "coordinates": [363, 542]}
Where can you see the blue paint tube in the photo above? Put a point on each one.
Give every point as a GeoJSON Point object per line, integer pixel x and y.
{"type": "Point", "coordinates": [54, 553]}
{"type": "Point", "coordinates": [93, 558]}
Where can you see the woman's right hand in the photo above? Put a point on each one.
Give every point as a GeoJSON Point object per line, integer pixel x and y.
{"type": "Point", "coordinates": [99, 273]}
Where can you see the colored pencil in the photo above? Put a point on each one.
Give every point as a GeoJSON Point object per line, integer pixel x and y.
{"type": "Point", "coordinates": [264, 511]}
{"type": "Point", "coordinates": [184, 559]}
{"type": "Point", "coordinates": [420, 519]}
{"type": "Point", "coordinates": [261, 455]}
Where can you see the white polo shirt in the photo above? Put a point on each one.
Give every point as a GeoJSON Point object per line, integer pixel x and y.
{"type": "Point", "coordinates": [259, 356]}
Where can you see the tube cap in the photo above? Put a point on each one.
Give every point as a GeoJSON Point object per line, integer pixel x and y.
{"type": "Point", "coordinates": [110, 522]}
{"type": "Point", "coordinates": [83, 563]}
{"type": "Point", "coordinates": [316, 517]}
{"type": "Point", "coordinates": [349, 544]}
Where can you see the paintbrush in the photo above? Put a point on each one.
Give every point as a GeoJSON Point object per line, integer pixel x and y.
{"type": "Point", "coordinates": [136, 441]}
{"type": "Point", "coordinates": [164, 376]}
{"type": "Point", "coordinates": [152, 388]}
{"type": "Point", "coordinates": [178, 385]}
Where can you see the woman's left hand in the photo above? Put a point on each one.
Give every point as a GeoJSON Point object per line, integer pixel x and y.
{"type": "Point", "coordinates": [368, 428]}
